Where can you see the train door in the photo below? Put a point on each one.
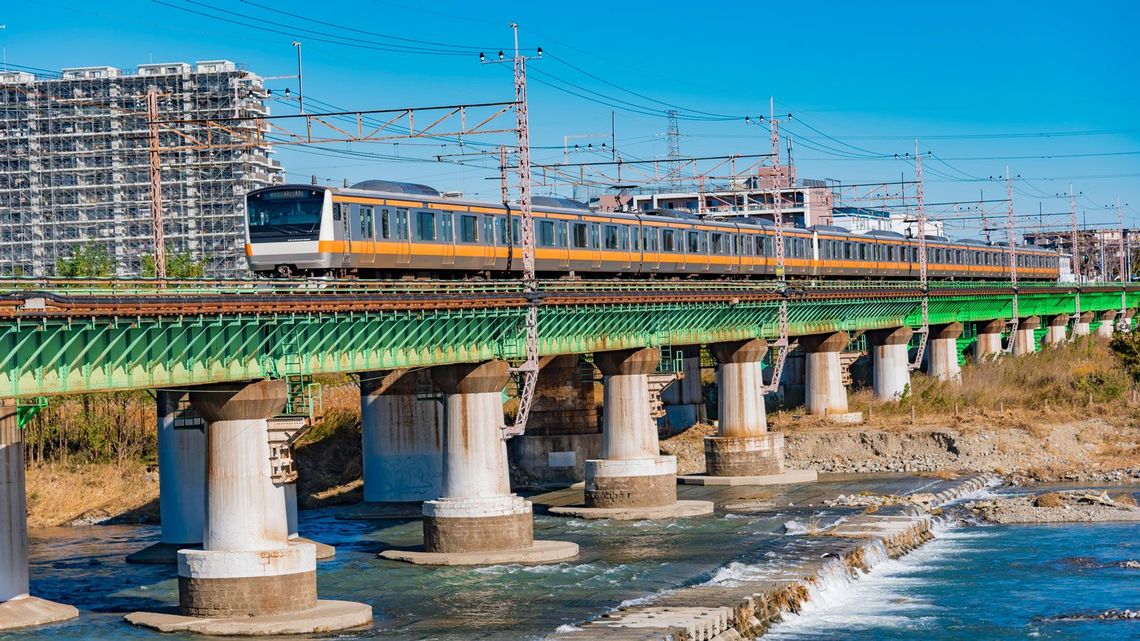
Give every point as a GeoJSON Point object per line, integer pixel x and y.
{"type": "Point", "coordinates": [401, 236]}
{"type": "Point", "coordinates": [340, 217]}
{"type": "Point", "coordinates": [596, 245]}
{"type": "Point", "coordinates": [487, 240]}
{"type": "Point", "coordinates": [651, 248]}
{"type": "Point", "coordinates": [367, 236]}
{"type": "Point", "coordinates": [562, 243]}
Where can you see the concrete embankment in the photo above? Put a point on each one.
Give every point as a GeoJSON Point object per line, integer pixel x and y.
{"type": "Point", "coordinates": [744, 598]}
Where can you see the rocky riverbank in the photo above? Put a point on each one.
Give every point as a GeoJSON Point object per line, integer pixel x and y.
{"type": "Point", "coordinates": [1058, 507]}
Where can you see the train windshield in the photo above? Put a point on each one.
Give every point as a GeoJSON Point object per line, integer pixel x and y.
{"type": "Point", "coordinates": [285, 215]}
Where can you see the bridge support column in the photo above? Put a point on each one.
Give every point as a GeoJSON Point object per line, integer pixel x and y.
{"type": "Point", "coordinates": [562, 432]}
{"type": "Point", "coordinates": [477, 520]}
{"type": "Point", "coordinates": [1024, 341]}
{"type": "Point", "coordinates": [248, 572]}
{"type": "Point", "coordinates": [401, 435]}
{"type": "Point", "coordinates": [1125, 325]}
{"type": "Point", "coordinates": [743, 451]}
{"type": "Point", "coordinates": [942, 360]}
{"type": "Point", "coordinates": [181, 483]}
{"type": "Point", "coordinates": [824, 394]}
{"type": "Point", "coordinates": [988, 344]}
{"type": "Point", "coordinates": [890, 362]}
{"type": "Point", "coordinates": [683, 399]}
{"type": "Point", "coordinates": [1055, 331]}
{"type": "Point", "coordinates": [1081, 324]}
{"type": "Point", "coordinates": [631, 480]}
{"type": "Point", "coordinates": [17, 608]}
{"type": "Point", "coordinates": [1107, 320]}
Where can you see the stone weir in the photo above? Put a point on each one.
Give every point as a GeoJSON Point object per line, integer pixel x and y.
{"type": "Point", "coordinates": [741, 601]}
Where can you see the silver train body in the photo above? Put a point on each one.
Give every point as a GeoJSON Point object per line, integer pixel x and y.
{"type": "Point", "coordinates": [382, 229]}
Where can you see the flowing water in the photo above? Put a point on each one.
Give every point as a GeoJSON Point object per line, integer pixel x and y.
{"type": "Point", "coordinates": [972, 583]}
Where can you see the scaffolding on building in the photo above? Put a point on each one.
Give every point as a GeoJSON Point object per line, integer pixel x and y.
{"type": "Point", "coordinates": [74, 166]}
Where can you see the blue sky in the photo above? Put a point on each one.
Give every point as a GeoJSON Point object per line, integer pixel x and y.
{"type": "Point", "coordinates": [982, 84]}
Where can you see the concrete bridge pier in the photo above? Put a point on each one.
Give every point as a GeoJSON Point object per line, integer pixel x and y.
{"type": "Point", "coordinates": [401, 435]}
{"type": "Point", "coordinates": [249, 578]}
{"type": "Point", "coordinates": [1056, 330]}
{"type": "Point", "coordinates": [1081, 324]}
{"type": "Point", "coordinates": [1023, 340]}
{"type": "Point", "coordinates": [942, 352]}
{"type": "Point", "coordinates": [683, 399]}
{"type": "Point", "coordinates": [988, 343]}
{"type": "Point", "coordinates": [743, 452]}
{"type": "Point", "coordinates": [1107, 320]}
{"type": "Point", "coordinates": [824, 392]}
{"type": "Point", "coordinates": [890, 362]}
{"type": "Point", "coordinates": [18, 609]}
{"type": "Point", "coordinates": [181, 483]}
{"type": "Point", "coordinates": [477, 520]}
{"type": "Point", "coordinates": [631, 480]}
{"type": "Point", "coordinates": [1125, 324]}
{"type": "Point", "coordinates": [562, 432]}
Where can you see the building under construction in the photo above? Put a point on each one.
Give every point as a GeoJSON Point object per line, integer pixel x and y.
{"type": "Point", "coordinates": [74, 164]}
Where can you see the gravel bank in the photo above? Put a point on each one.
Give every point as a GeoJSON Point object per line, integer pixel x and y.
{"type": "Point", "coordinates": [1065, 507]}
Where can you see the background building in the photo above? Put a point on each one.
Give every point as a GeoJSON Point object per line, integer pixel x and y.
{"type": "Point", "coordinates": [74, 165]}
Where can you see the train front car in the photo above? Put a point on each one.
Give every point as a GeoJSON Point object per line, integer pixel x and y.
{"type": "Point", "coordinates": [289, 231]}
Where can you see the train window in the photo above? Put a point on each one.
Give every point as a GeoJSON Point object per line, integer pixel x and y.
{"type": "Point", "coordinates": [425, 225]}
{"type": "Point", "coordinates": [336, 212]}
{"type": "Point", "coordinates": [890, 253]}
{"type": "Point", "coordinates": [766, 246]}
{"type": "Point", "coordinates": [649, 239]}
{"type": "Point", "coordinates": [401, 224]}
{"type": "Point", "coordinates": [516, 230]}
{"type": "Point", "coordinates": [581, 234]}
{"type": "Point", "coordinates": [595, 232]}
{"type": "Point", "coordinates": [445, 231]}
{"type": "Point", "coordinates": [545, 236]}
{"type": "Point", "coordinates": [635, 239]}
{"type": "Point", "coordinates": [694, 242]}
{"type": "Point", "coordinates": [560, 233]}
{"type": "Point", "coordinates": [611, 236]}
{"type": "Point", "coordinates": [501, 229]}
{"type": "Point", "coordinates": [669, 241]}
{"type": "Point", "coordinates": [718, 244]}
{"type": "Point", "coordinates": [623, 237]}
{"type": "Point", "coordinates": [468, 229]}
{"type": "Point", "coordinates": [385, 224]}
{"type": "Point", "coordinates": [489, 229]}
{"type": "Point", "coordinates": [366, 228]}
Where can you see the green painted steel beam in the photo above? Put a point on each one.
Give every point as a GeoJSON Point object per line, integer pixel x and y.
{"type": "Point", "coordinates": [50, 355]}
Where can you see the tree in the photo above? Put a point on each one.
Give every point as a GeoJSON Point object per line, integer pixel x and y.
{"type": "Point", "coordinates": [1126, 346]}
{"type": "Point", "coordinates": [86, 261]}
{"type": "Point", "coordinates": [178, 265]}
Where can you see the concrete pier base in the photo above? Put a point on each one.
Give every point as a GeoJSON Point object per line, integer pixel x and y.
{"type": "Point", "coordinates": [477, 513]}
{"type": "Point", "coordinates": [825, 394]}
{"type": "Point", "coordinates": [1107, 320]}
{"type": "Point", "coordinates": [1056, 331]}
{"type": "Point", "coordinates": [890, 362]}
{"type": "Point", "coordinates": [988, 343]}
{"type": "Point", "coordinates": [942, 353]}
{"type": "Point", "coordinates": [631, 477]}
{"type": "Point", "coordinates": [18, 609]}
{"type": "Point", "coordinates": [325, 616]}
{"type": "Point", "coordinates": [248, 568]}
{"type": "Point", "coordinates": [1023, 339]}
{"type": "Point", "coordinates": [1081, 324]}
{"type": "Point", "coordinates": [783, 478]}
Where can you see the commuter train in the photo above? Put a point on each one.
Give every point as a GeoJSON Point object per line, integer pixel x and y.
{"type": "Point", "coordinates": [382, 229]}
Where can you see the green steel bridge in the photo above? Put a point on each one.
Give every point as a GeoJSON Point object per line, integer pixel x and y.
{"type": "Point", "coordinates": [65, 337]}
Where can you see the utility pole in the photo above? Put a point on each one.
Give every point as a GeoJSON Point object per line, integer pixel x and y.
{"type": "Point", "coordinates": [673, 137]}
{"type": "Point", "coordinates": [300, 78]}
{"type": "Point", "coordinates": [528, 370]}
{"type": "Point", "coordinates": [922, 259]}
{"type": "Point", "coordinates": [982, 210]}
{"type": "Point", "coordinates": [155, 157]}
{"type": "Point", "coordinates": [1120, 247]}
{"type": "Point", "coordinates": [783, 343]}
{"type": "Point", "coordinates": [1013, 322]}
{"type": "Point", "coordinates": [1074, 239]}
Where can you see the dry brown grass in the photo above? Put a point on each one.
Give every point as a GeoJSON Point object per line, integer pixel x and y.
{"type": "Point", "coordinates": [59, 494]}
{"type": "Point", "coordinates": [1049, 499]}
{"type": "Point", "coordinates": [1031, 393]}
{"type": "Point", "coordinates": [1124, 498]}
